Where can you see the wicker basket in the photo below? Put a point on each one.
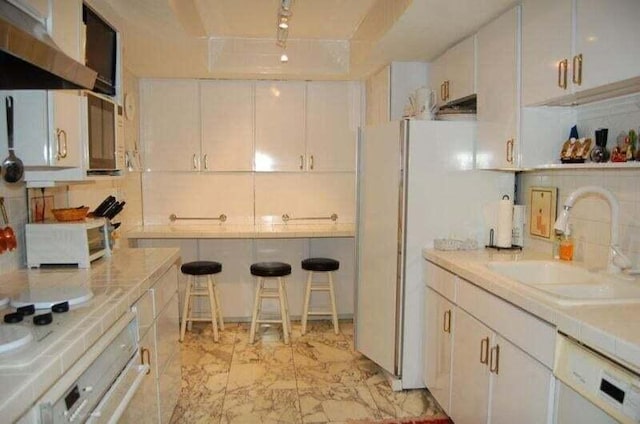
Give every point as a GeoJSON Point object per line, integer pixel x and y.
{"type": "Point", "coordinates": [70, 214]}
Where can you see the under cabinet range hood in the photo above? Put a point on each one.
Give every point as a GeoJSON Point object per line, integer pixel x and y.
{"type": "Point", "coordinates": [29, 59]}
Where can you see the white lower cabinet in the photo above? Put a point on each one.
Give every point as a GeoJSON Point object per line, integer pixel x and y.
{"type": "Point", "coordinates": [438, 342]}
{"type": "Point", "coordinates": [493, 364]}
{"type": "Point", "coordinates": [157, 312]}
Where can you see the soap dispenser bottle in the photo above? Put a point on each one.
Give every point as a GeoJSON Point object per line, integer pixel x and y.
{"type": "Point", "coordinates": [566, 247]}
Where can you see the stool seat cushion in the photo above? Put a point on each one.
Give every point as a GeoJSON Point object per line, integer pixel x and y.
{"type": "Point", "coordinates": [320, 264]}
{"type": "Point", "coordinates": [270, 269]}
{"type": "Point", "coordinates": [201, 268]}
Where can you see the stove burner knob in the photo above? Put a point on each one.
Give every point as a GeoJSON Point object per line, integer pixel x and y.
{"type": "Point", "coordinates": [43, 319]}
{"type": "Point", "coordinates": [13, 318]}
{"type": "Point", "coordinates": [60, 307]}
{"type": "Point", "coordinates": [26, 310]}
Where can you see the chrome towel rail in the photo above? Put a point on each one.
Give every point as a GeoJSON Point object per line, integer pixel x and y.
{"type": "Point", "coordinates": [333, 217]}
{"type": "Point", "coordinates": [173, 217]}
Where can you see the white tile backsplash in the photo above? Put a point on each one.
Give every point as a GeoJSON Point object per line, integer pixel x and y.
{"type": "Point", "coordinates": [197, 194]}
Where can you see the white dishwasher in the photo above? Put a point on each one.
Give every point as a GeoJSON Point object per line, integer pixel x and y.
{"type": "Point", "coordinates": [593, 389]}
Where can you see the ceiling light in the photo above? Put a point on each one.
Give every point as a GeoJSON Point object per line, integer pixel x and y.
{"type": "Point", "coordinates": [284, 22]}
{"type": "Point", "coordinates": [284, 58]}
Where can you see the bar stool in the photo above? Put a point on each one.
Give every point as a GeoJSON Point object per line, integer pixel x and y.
{"type": "Point", "coordinates": [265, 271]}
{"type": "Point", "coordinates": [193, 270]}
{"type": "Point", "coordinates": [327, 266]}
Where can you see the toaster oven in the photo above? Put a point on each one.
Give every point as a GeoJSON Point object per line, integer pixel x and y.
{"type": "Point", "coordinates": [67, 243]}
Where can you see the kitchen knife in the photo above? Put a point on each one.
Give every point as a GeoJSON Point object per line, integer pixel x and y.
{"type": "Point", "coordinates": [115, 211]}
{"type": "Point", "coordinates": [102, 208]}
{"type": "Point", "coordinates": [110, 209]}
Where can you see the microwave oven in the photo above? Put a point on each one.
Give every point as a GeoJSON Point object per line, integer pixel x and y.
{"type": "Point", "coordinates": [67, 243]}
{"type": "Point", "coordinates": [104, 125]}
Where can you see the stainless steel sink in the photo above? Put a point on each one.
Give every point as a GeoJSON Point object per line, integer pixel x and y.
{"type": "Point", "coordinates": [568, 284]}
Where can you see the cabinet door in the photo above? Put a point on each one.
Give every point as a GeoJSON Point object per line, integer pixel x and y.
{"type": "Point", "coordinates": [227, 125]}
{"type": "Point", "coordinates": [546, 41]}
{"type": "Point", "coordinates": [65, 26]}
{"type": "Point", "coordinates": [437, 347]}
{"type": "Point", "coordinates": [607, 38]}
{"type": "Point", "coordinates": [520, 387]}
{"type": "Point", "coordinates": [65, 132]}
{"type": "Point", "coordinates": [170, 124]}
{"type": "Point", "coordinates": [437, 77]}
{"type": "Point", "coordinates": [497, 91]}
{"type": "Point", "coordinates": [143, 407]}
{"type": "Point", "coordinates": [169, 380]}
{"type": "Point", "coordinates": [280, 126]}
{"type": "Point", "coordinates": [460, 69]}
{"type": "Point", "coordinates": [333, 118]}
{"type": "Point", "coordinates": [30, 126]}
{"type": "Point", "coordinates": [469, 375]}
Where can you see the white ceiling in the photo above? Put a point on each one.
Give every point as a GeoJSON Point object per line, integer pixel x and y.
{"type": "Point", "coordinates": [328, 39]}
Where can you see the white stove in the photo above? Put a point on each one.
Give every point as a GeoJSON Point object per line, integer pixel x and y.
{"type": "Point", "coordinates": [40, 317]}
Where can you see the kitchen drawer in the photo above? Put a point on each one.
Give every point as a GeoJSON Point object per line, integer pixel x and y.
{"type": "Point", "coordinates": [440, 280]}
{"type": "Point", "coordinates": [167, 333]}
{"type": "Point", "coordinates": [165, 288]}
{"type": "Point", "coordinates": [144, 311]}
{"type": "Point", "coordinates": [529, 333]}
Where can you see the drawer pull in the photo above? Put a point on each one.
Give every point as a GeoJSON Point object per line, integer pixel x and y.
{"type": "Point", "coordinates": [484, 351]}
{"type": "Point", "coordinates": [145, 352]}
{"type": "Point", "coordinates": [562, 73]}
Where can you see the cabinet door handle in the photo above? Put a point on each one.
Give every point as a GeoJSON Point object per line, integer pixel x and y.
{"type": "Point", "coordinates": [194, 161]}
{"type": "Point", "coordinates": [448, 93]}
{"type": "Point", "coordinates": [442, 93]}
{"type": "Point", "coordinates": [494, 362]}
{"type": "Point", "coordinates": [577, 69]}
{"type": "Point", "coordinates": [311, 162]}
{"type": "Point", "coordinates": [484, 351]}
{"type": "Point", "coordinates": [446, 324]}
{"type": "Point", "coordinates": [301, 162]}
{"type": "Point", "coordinates": [509, 152]}
{"type": "Point", "coordinates": [206, 162]}
{"type": "Point", "coordinates": [562, 73]}
{"type": "Point", "coordinates": [145, 352]}
{"type": "Point", "coordinates": [61, 137]}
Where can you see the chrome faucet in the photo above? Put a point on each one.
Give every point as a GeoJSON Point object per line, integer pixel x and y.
{"type": "Point", "coordinates": [617, 261]}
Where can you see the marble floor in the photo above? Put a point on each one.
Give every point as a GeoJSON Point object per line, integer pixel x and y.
{"type": "Point", "coordinates": [318, 378]}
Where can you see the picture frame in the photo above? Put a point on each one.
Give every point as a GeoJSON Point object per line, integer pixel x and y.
{"type": "Point", "coordinates": [543, 211]}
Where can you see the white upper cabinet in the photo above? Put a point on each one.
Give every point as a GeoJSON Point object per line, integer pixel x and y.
{"type": "Point", "coordinates": [453, 76]}
{"type": "Point", "coordinates": [47, 130]}
{"type": "Point", "coordinates": [170, 124]}
{"type": "Point", "coordinates": [333, 117]}
{"type": "Point", "coordinates": [280, 126]}
{"type": "Point", "coordinates": [573, 50]}
{"type": "Point", "coordinates": [607, 41]}
{"type": "Point", "coordinates": [497, 99]}
{"type": "Point", "coordinates": [227, 125]}
{"type": "Point", "coordinates": [546, 49]}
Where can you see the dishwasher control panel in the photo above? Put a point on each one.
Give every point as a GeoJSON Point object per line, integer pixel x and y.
{"type": "Point", "coordinates": [609, 385]}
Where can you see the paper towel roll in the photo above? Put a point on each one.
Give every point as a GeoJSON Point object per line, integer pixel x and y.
{"type": "Point", "coordinates": [519, 212]}
{"type": "Point", "coordinates": [505, 222]}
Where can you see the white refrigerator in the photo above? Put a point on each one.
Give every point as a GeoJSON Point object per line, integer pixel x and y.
{"type": "Point", "coordinates": [416, 183]}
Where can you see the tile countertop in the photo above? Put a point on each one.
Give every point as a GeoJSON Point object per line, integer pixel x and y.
{"type": "Point", "coordinates": [236, 231]}
{"type": "Point", "coordinates": [612, 329]}
{"type": "Point", "coordinates": [121, 279]}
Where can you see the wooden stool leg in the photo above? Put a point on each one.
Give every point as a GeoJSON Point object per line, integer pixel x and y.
{"type": "Point", "coordinates": [333, 303]}
{"type": "Point", "coordinates": [256, 305]}
{"type": "Point", "coordinates": [286, 304]}
{"type": "Point", "coordinates": [185, 309]}
{"type": "Point", "coordinates": [216, 293]}
{"type": "Point", "coordinates": [307, 298]}
{"type": "Point", "coordinates": [214, 312]}
{"type": "Point", "coordinates": [283, 310]}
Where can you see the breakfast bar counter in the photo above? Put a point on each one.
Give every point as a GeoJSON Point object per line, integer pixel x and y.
{"type": "Point", "coordinates": [239, 231]}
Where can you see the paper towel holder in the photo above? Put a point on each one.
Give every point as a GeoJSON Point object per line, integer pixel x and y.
{"type": "Point", "coordinates": [491, 244]}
